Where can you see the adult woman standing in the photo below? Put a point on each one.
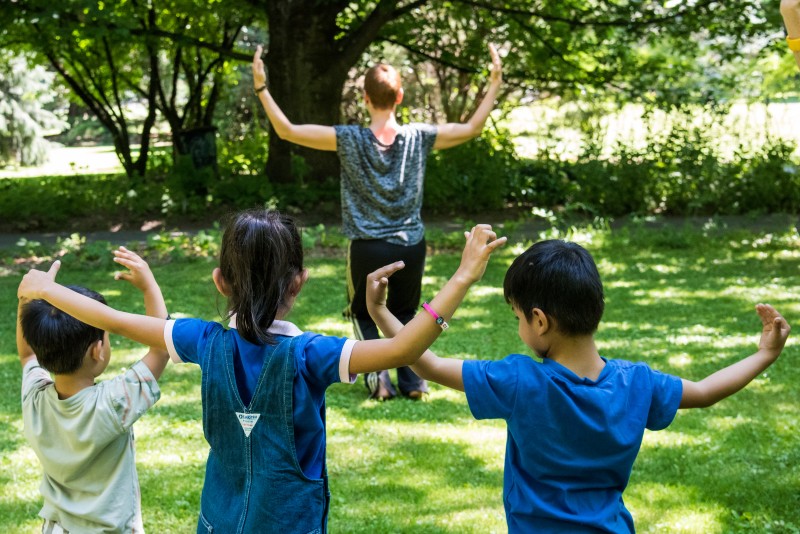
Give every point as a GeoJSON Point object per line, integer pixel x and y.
{"type": "Point", "coordinates": [382, 171]}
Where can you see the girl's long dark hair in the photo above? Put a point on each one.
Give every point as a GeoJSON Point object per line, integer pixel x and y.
{"type": "Point", "coordinates": [260, 256]}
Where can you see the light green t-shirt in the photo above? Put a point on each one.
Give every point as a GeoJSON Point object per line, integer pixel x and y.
{"type": "Point", "coordinates": [86, 447]}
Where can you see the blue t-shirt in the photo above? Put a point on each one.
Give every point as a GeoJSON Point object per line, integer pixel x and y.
{"type": "Point", "coordinates": [382, 184]}
{"type": "Point", "coordinates": [571, 441]}
{"type": "Point", "coordinates": [325, 360]}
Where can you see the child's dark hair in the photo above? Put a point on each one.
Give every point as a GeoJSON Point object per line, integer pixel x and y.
{"type": "Point", "coordinates": [561, 279]}
{"type": "Point", "coordinates": [58, 339]}
{"type": "Point", "coordinates": [260, 257]}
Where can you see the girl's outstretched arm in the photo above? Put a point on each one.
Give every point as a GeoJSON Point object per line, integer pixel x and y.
{"type": "Point", "coordinates": [140, 328]}
{"type": "Point", "coordinates": [414, 338]}
{"type": "Point", "coordinates": [731, 379]}
{"type": "Point", "coordinates": [445, 371]}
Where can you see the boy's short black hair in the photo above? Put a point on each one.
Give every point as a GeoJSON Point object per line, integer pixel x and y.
{"type": "Point", "coordinates": [561, 279]}
{"type": "Point", "coordinates": [58, 339]}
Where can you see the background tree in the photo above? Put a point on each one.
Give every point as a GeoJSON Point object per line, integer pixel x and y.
{"type": "Point", "coordinates": [165, 54]}
{"type": "Point", "coordinates": [171, 53]}
{"type": "Point", "coordinates": [26, 111]}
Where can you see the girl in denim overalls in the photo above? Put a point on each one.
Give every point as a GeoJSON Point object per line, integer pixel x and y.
{"type": "Point", "coordinates": [263, 380]}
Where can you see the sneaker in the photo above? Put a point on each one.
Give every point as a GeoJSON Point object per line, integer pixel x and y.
{"type": "Point", "coordinates": [416, 394]}
{"type": "Point", "coordinates": [377, 388]}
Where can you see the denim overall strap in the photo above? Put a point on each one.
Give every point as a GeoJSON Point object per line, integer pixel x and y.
{"type": "Point", "coordinates": [253, 479]}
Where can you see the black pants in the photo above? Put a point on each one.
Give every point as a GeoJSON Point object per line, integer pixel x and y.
{"type": "Point", "coordinates": [363, 257]}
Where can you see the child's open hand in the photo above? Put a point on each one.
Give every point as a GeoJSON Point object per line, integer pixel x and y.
{"type": "Point", "coordinates": [775, 329]}
{"type": "Point", "coordinates": [377, 282]}
{"type": "Point", "coordinates": [481, 242]}
{"type": "Point", "coordinates": [34, 282]}
{"type": "Point", "coordinates": [139, 274]}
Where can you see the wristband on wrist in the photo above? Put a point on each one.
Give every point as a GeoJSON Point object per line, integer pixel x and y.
{"type": "Point", "coordinates": [794, 44]}
{"type": "Point", "coordinates": [439, 319]}
{"type": "Point", "coordinates": [259, 89]}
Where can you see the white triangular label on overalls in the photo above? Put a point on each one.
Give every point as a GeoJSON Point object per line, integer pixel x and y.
{"type": "Point", "coordinates": [248, 421]}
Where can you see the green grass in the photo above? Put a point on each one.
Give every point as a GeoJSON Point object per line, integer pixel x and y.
{"type": "Point", "coordinates": [680, 299]}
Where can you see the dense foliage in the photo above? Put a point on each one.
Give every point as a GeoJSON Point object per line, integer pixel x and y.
{"type": "Point", "coordinates": [176, 58]}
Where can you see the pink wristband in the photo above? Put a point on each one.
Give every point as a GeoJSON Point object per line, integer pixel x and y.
{"type": "Point", "coordinates": [439, 320]}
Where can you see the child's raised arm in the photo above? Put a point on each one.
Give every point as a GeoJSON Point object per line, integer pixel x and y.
{"type": "Point", "coordinates": [141, 277]}
{"type": "Point", "coordinates": [140, 328]}
{"type": "Point", "coordinates": [445, 371]}
{"type": "Point", "coordinates": [310, 135]}
{"type": "Point", "coordinates": [415, 337]}
{"type": "Point", "coordinates": [731, 379]}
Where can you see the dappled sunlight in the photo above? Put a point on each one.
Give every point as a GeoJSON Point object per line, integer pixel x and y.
{"type": "Point", "coordinates": [620, 284]}
{"type": "Point", "coordinates": [727, 423]}
{"type": "Point", "coordinates": [324, 270]}
{"type": "Point", "coordinates": [671, 438]}
{"type": "Point", "coordinates": [433, 281]}
{"type": "Point", "coordinates": [666, 269]}
{"type": "Point", "coordinates": [328, 326]}
{"type": "Point", "coordinates": [673, 509]}
{"type": "Point", "coordinates": [162, 458]}
{"type": "Point", "coordinates": [680, 361]}
{"type": "Point", "coordinates": [485, 291]}
{"type": "Point", "coordinates": [716, 340]}
{"type": "Point", "coordinates": [21, 474]}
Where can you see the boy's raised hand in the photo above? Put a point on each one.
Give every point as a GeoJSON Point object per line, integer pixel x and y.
{"type": "Point", "coordinates": [378, 281]}
{"type": "Point", "coordinates": [141, 277]}
{"type": "Point", "coordinates": [481, 242]}
{"type": "Point", "coordinates": [35, 281]}
{"type": "Point", "coordinates": [775, 330]}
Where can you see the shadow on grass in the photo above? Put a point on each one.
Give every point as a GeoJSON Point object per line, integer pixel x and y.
{"type": "Point", "coordinates": [746, 471]}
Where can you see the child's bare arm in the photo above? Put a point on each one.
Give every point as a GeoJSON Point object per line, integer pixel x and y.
{"type": "Point", "coordinates": [140, 328]}
{"type": "Point", "coordinates": [731, 379]}
{"type": "Point", "coordinates": [790, 9]}
{"type": "Point", "coordinates": [413, 339]}
{"type": "Point", "coordinates": [452, 134]}
{"type": "Point", "coordinates": [141, 277]}
{"type": "Point", "coordinates": [310, 135]}
{"type": "Point", "coordinates": [445, 371]}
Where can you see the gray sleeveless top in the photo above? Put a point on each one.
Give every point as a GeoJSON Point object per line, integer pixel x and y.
{"type": "Point", "coordinates": [382, 184]}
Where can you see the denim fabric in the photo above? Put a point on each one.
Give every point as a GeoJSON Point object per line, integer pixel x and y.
{"type": "Point", "coordinates": [254, 483]}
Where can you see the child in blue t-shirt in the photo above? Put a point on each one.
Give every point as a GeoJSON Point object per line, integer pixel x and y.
{"type": "Point", "coordinates": [263, 380]}
{"type": "Point", "coordinates": [576, 420]}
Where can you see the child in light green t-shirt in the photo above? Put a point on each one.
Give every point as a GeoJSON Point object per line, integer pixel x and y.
{"type": "Point", "coordinates": [80, 430]}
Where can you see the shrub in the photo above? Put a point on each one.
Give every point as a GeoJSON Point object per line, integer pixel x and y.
{"type": "Point", "coordinates": [475, 176]}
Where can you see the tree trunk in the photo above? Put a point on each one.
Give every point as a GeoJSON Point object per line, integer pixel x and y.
{"type": "Point", "coordinates": [306, 78]}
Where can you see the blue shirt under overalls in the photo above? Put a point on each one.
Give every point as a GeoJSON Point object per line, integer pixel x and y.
{"type": "Point", "coordinates": [264, 418]}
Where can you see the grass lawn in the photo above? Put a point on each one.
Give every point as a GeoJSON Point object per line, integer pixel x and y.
{"type": "Point", "coordinates": [680, 299]}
